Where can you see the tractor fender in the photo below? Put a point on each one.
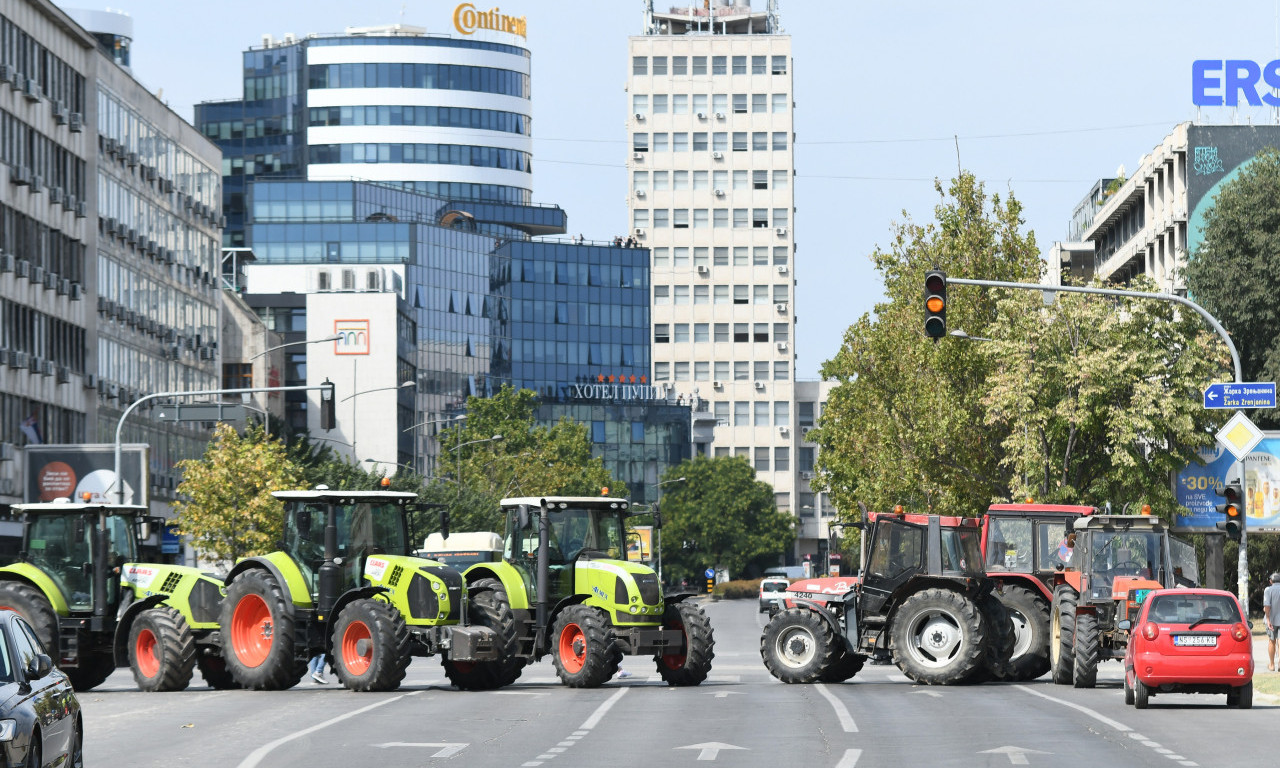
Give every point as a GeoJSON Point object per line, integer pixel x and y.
{"type": "Point", "coordinates": [565, 603]}
{"type": "Point", "coordinates": [512, 582]}
{"type": "Point", "coordinates": [1023, 580]}
{"type": "Point", "coordinates": [265, 564]}
{"type": "Point", "coordinates": [351, 595]}
{"type": "Point", "coordinates": [27, 573]}
{"type": "Point", "coordinates": [678, 597]}
{"type": "Point", "coordinates": [124, 625]}
{"type": "Point", "coordinates": [821, 611]}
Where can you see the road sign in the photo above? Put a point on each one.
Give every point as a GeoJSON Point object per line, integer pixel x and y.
{"type": "Point", "coordinates": [1239, 436]}
{"type": "Point", "coordinates": [1247, 394]}
{"type": "Point", "coordinates": [200, 412]}
{"type": "Point", "coordinates": [710, 573]}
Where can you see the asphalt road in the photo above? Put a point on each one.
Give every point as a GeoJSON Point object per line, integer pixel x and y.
{"type": "Point", "coordinates": [740, 717]}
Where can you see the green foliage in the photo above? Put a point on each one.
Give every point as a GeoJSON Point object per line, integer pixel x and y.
{"type": "Point", "coordinates": [720, 516]}
{"type": "Point", "coordinates": [1232, 274]}
{"type": "Point", "coordinates": [738, 589]}
{"type": "Point", "coordinates": [225, 506]}
{"type": "Point", "coordinates": [906, 424]}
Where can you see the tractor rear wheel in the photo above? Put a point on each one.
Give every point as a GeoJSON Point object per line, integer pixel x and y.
{"type": "Point", "coordinates": [94, 669]}
{"type": "Point", "coordinates": [939, 637]}
{"type": "Point", "coordinates": [1029, 615]}
{"type": "Point", "coordinates": [799, 646]}
{"type": "Point", "coordinates": [845, 666]}
{"type": "Point", "coordinates": [1085, 645]}
{"type": "Point", "coordinates": [215, 673]}
{"type": "Point", "coordinates": [693, 665]}
{"type": "Point", "coordinates": [162, 651]}
{"type": "Point", "coordinates": [257, 629]}
{"type": "Point", "coordinates": [1062, 632]}
{"type": "Point", "coordinates": [490, 608]}
{"type": "Point", "coordinates": [370, 646]}
{"type": "Point", "coordinates": [31, 604]}
{"type": "Point", "coordinates": [997, 662]}
{"type": "Point", "coordinates": [583, 647]}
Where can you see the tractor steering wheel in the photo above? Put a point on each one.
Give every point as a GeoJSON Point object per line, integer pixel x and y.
{"type": "Point", "coordinates": [1124, 565]}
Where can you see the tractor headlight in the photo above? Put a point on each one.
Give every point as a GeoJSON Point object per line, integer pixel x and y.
{"type": "Point", "coordinates": [7, 729]}
{"type": "Point", "coordinates": [635, 609]}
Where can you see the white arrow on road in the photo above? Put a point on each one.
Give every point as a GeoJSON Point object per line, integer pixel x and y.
{"type": "Point", "coordinates": [446, 748]}
{"type": "Point", "coordinates": [721, 694]}
{"type": "Point", "coordinates": [710, 749]}
{"type": "Point", "coordinates": [934, 694]}
{"type": "Point", "coordinates": [1017, 755]}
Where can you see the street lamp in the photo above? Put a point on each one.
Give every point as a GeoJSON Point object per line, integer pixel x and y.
{"type": "Point", "coordinates": [458, 453]}
{"type": "Point", "coordinates": [449, 420]}
{"type": "Point", "coordinates": [334, 337]}
{"type": "Point", "coordinates": [959, 334]}
{"type": "Point", "coordinates": [354, 423]}
{"type": "Point", "coordinates": [657, 532]}
{"type": "Point", "coordinates": [375, 462]}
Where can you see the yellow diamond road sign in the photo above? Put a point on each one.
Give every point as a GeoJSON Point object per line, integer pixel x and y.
{"type": "Point", "coordinates": [1239, 436]}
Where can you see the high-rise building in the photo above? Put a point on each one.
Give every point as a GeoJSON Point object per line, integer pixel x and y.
{"type": "Point", "coordinates": [448, 116]}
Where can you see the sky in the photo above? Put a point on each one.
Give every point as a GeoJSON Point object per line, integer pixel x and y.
{"type": "Point", "coordinates": [1042, 99]}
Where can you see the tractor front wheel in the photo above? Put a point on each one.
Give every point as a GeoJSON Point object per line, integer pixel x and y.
{"type": "Point", "coordinates": [1085, 650]}
{"type": "Point", "coordinates": [845, 666]}
{"type": "Point", "coordinates": [370, 646]}
{"type": "Point", "coordinates": [939, 637]}
{"type": "Point", "coordinates": [997, 662]}
{"type": "Point", "coordinates": [693, 665]}
{"type": "Point", "coordinates": [1029, 615]}
{"type": "Point", "coordinates": [799, 646]}
{"type": "Point", "coordinates": [31, 604]}
{"type": "Point", "coordinates": [162, 652]}
{"type": "Point", "coordinates": [583, 647]}
{"type": "Point", "coordinates": [1062, 632]}
{"type": "Point", "coordinates": [490, 608]}
{"type": "Point", "coordinates": [257, 628]}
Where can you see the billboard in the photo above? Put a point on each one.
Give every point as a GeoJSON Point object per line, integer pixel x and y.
{"type": "Point", "coordinates": [68, 471]}
{"type": "Point", "coordinates": [1197, 488]}
{"type": "Point", "coordinates": [640, 546]}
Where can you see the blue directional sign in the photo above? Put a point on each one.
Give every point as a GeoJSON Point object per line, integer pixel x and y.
{"type": "Point", "coordinates": [710, 573]}
{"type": "Point", "coordinates": [1248, 394]}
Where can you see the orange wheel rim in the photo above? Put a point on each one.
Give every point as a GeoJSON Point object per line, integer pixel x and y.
{"type": "Point", "coordinates": [252, 630]}
{"type": "Point", "coordinates": [573, 648]}
{"type": "Point", "coordinates": [357, 663]}
{"type": "Point", "coordinates": [145, 652]}
{"type": "Point", "coordinates": [676, 661]}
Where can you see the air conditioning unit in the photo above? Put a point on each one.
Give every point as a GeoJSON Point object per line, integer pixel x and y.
{"type": "Point", "coordinates": [717, 385]}
{"type": "Point", "coordinates": [640, 116]}
{"type": "Point", "coordinates": [637, 156]}
{"type": "Point", "coordinates": [75, 122]}
{"type": "Point", "coordinates": [77, 292]}
{"type": "Point", "coordinates": [103, 387]}
{"type": "Point", "coordinates": [18, 360]}
{"type": "Point", "coordinates": [7, 73]}
{"type": "Point", "coordinates": [703, 269]}
{"type": "Point", "coordinates": [131, 236]}
{"type": "Point", "coordinates": [37, 274]}
{"type": "Point", "coordinates": [6, 262]}
{"type": "Point", "coordinates": [68, 202]}
{"type": "Point", "coordinates": [46, 367]}
{"type": "Point", "coordinates": [19, 175]}
{"type": "Point", "coordinates": [7, 486]}
{"type": "Point", "coordinates": [206, 353]}
{"type": "Point", "coordinates": [151, 173]}
{"type": "Point", "coordinates": [784, 431]}
{"type": "Point", "coordinates": [719, 115]}
{"type": "Point", "coordinates": [782, 346]}
{"type": "Point", "coordinates": [781, 230]}
{"type": "Point", "coordinates": [90, 381]}
{"type": "Point", "coordinates": [640, 193]}
{"type": "Point", "coordinates": [22, 268]}
{"type": "Point", "coordinates": [639, 232]}
{"type": "Point", "coordinates": [717, 155]}
{"type": "Point", "coordinates": [64, 286]}
{"type": "Point", "coordinates": [782, 269]}
{"type": "Point", "coordinates": [7, 451]}
{"type": "Point", "coordinates": [702, 115]}
{"type": "Point", "coordinates": [64, 374]}
{"type": "Point", "coordinates": [31, 89]}
{"type": "Point", "coordinates": [82, 209]}
{"type": "Point", "coordinates": [782, 308]}
{"type": "Point", "coordinates": [133, 159]}
{"type": "Point", "coordinates": [4, 357]}
{"type": "Point", "coordinates": [37, 183]}
{"type": "Point", "coordinates": [760, 385]}
{"type": "Point", "coordinates": [806, 475]}
{"type": "Point", "coordinates": [719, 193]}
{"type": "Point", "coordinates": [51, 280]}
{"type": "Point", "coordinates": [59, 113]}
{"type": "Point", "coordinates": [55, 195]}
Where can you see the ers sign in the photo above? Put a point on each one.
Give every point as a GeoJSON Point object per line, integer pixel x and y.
{"type": "Point", "coordinates": [1221, 82]}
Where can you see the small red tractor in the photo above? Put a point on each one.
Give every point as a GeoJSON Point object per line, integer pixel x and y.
{"type": "Point", "coordinates": [922, 600]}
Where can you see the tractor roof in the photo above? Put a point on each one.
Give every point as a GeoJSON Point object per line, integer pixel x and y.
{"type": "Point", "coordinates": [1040, 508]}
{"type": "Point", "coordinates": [577, 501]}
{"type": "Point", "coordinates": [349, 497]}
{"type": "Point", "coordinates": [1118, 521]}
{"type": "Point", "coordinates": [65, 507]}
{"type": "Point", "coordinates": [946, 521]}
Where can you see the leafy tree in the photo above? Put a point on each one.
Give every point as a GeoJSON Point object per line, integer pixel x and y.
{"type": "Point", "coordinates": [721, 516]}
{"type": "Point", "coordinates": [225, 506]}
{"type": "Point", "coordinates": [1232, 273]}
{"type": "Point", "coordinates": [1098, 399]}
{"type": "Point", "coordinates": [907, 424]}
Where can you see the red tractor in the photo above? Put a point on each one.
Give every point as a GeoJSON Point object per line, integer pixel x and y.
{"type": "Point", "coordinates": [1022, 549]}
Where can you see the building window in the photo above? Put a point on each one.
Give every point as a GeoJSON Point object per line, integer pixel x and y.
{"type": "Point", "coordinates": [721, 256]}
{"type": "Point", "coordinates": [701, 371]}
{"type": "Point", "coordinates": [640, 217]}
{"type": "Point", "coordinates": [719, 103]}
{"type": "Point", "coordinates": [779, 65]}
{"type": "Point", "coordinates": [659, 103]}
{"type": "Point", "coordinates": [739, 141]}
{"type": "Point", "coordinates": [720, 218]}
{"type": "Point", "coordinates": [804, 459]}
{"type": "Point", "coordinates": [759, 218]}
{"type": "Point", "coordinates": [782, 413]}
{"type": "Point", "coordinates": [804, 413]}
{"type": "Point", "coordinates": [661, 333]}
{"type": "Point", "coordinates": [640, 142]}
{"type": "Point", "coordinates": [679, 65]}
{"type": "Point", "coordinates": [783, 501]}
{"type": "Point", "coordinates": [679, 180]}
{"type": "Point", "coordinates": [761, 370]}
{"type": "Point", "coordinates": [682, 372]}
{"type": "Point", "coordinates": [760, 179]}
{"type": "Point", "coordinates": [722, 452]}
{"type": "Point", "coordinates": [741, 413]}
{"type": "Point", "coordinates": [780, 294]}
{"type": "Point", "coordinates": [722, 337]}
{"type": "Point", "coordinates": [762, 460]}
{"type": "Point", "coordinates": [759, 102]}
{"type": "Point", "coordinates": [779, 179]}
{"type": "Point", "coordinates": [661, 260]}
{"type": "Point", "coordinates": [740, 256]}
{"type": "Point", "coordinates": [760, 294]}
{"type": "Point", "coordinates": [779, 217]}
{"type": "Point", "coordinates": [719, 65]}
{"type": "Point", "coordinates": [782, 459]}
{"type": "Point", "coordinates": [722, 370]}
{"type": "Point", "coordinates": [699, 65]}
{"type": "Point", "coordinates": [761, 413]}
{"type": "Point", "coordinates": [780, 255]}
{"type": "Point", "coordinates": [739, 65]}
{"type": "Point", "coordinates": [781, 332]}
{"type": "Point", "coordinates": [661, 218]}
{"type": "Point", "coordinates": [680, 219]}
{"type": "Point", "coordinates": [721, 294]}
{"type": "Point", "coordinates": [740, 332]}
{"type": "Point", "coordinates": [760, 332]}
{"type": "Point", "coordinates": [637, 431]}
{"type": "Point", "coordinates": [759, 65]}
{"type": "Point", "coordinates": [659, 65]}
{"type": "Point", "coordinates": [597, 432]}
{"type": "Point", "coordinates": [741, 294]}
{"type": "Point", "coordinates": [661, 295]}
{"type": "Point", "coordinates": [779, 141]}
{"type": "Point", "coordinates": [701, 294]}
{"type": "Point", "coordinates": [701, 331]}
{"type": "Point", "coordinates": [721, 410]}
{"type": "Point", "coordinates": [682, 333]}
{"type": "Point", "coordinates": [739, 103]}
{"type": "Point", "coordinates": [720, 180]}
{"type": "Point", "coordinates": [720, 141]}
{"type": "Point", "coordinates": [806, 503]}
{"type": "Point", "coordinates": [700, 222]}
{"type": "Point", "coordinates": [740, 180]}
{"type": "Point", "coordinates": [740, 370]}
{"type": "Point", "coordinates": [680, 104]}
{"type": "Point", "coordinates": [682, 295]}
{"type": "Point", "coordinates": [699, 252]}
{"type": "Point", "coordinates": [760, 256]}
{"type": "Point", "coordinates": [700, 141]}
{"type": "Point", "coordinates": [700, 103]}
{"type": "Point", "coordinates": [779, 102]}
{"type": "Point", "coordinates": [680, 258]}
{"type": "Point", "coordinates": [640, 104]}
{"type": "Point", "coordinates": [759, 141]}
{"type": "Point", "coordinates": [662, 371]}
{"type": "Point", "coordinates": [639, 65]}
{"type": "Point", "coordinates": [640, 180]}
{"type": "Point", "coordinates": [781, 369]}
{"type": "Point", "coordinates": [699, 181]}
{"type": "Point", "coordinates": [680, 142]}
{"type": "Point", "coordinates": [739, 217]}
{"type": "Point", "coordinates": [660, 142]}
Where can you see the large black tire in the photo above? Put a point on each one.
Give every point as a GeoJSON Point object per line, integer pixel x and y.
{"type": "Point", "coordinates": [94, 669]}
{"type": "Point", "coordinates": [692, 666]}
{"type": "Point", "coordinates": [583, 647]}
{"type": "Point", "coordinates": [490, 608]}
{"type": "Point", "coordinates": [30, 603]}
{"type": "Point", "coordinates": [939, 637]}
{"type": "Point", "coordinates": [1241, 697]}
{"type": "Point", "coordinates": [846, 666]}
{"type": "Point", "coordinates": [1062, 630]}
{"type": "Point", "coordinates": [1085, 645]}
{"type": "Point", "coordinates": [215, 673]}
{"type": "Point", "coordinates": [370, 646]}
{"type": "Point", "coordinates": [799, 646]}
{"type": "Point", "coordinates": [162, 652]}
{"type": "Point", "coordinates": [257, 628]}
{"type": "Point", "coordinates": [997, 662]}
{"type": "Point", "coordinates": [1029, 616]}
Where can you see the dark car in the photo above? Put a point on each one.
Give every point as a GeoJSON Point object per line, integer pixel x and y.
{"type": "Point", "coordinates": [1189, 641]}
{"type": "Point", "coordinates": [39, 713]}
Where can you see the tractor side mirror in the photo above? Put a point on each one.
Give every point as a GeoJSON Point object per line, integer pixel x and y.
{"type": "Point", "coordinates": [444, 523]}
{"type": "Point", "coordinates": [304, 523]}
{"type": "Point", "coordinates": [1124, 624]}
{"type": "Point", "coordinates": [144, 530]}
{"type": "Point", "coordinates": [522, 516]}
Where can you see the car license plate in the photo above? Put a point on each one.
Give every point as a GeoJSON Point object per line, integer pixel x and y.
{"type": "Point", "coordinates": [1209, 640]}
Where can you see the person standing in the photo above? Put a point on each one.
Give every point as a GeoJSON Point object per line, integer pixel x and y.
{"type": "Point", "coordinates": [316, 666]}
{"type": "Point", "coordinates": [1271, 613]}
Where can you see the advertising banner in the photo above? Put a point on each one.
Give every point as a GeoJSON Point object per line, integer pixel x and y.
{"type": "Point", "coordinates": [69, 471]}
{"type": "Point", "coordinates": [640, 546]}
{"type": "Point", "coordinates": [1198, 486]}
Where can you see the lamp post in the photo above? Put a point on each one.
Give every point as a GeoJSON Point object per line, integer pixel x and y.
{"type": "Point", "coordinates": [458, 453]}
{"type": "Point", "coordinates": [376, 462]}
{"type": "Point", "coordinates": [959, 334]}
{"type": "Point", "coordinates": [451, 419]}
{"type": "Point", "coordinates": [657, 531]}
{"type": "Point", "coordinates": [267, 400]}
{"type": "Point", "coordinates": [354, 423]}
{"type": "Point", "coordinates": [334, 337]}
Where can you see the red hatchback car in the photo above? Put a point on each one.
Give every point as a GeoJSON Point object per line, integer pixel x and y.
{"type": "Point", "coordinates": [1189, 641]}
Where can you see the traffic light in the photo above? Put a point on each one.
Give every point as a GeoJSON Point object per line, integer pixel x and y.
{"type": "Point", "coordinates": [935, 304]}
{"type": "Point", "coordinates": [327, 420]}
{"type": "Point", "coordinates": [1233, 509]}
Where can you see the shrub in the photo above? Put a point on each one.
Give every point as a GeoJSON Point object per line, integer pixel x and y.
{"type": "Point", "coordinates": [738, 590]}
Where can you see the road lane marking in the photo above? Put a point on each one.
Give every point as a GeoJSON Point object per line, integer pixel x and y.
{"type": "Point", "coordinates": [842, 712]}
{"type": "Point", "coordinates": [594, 720]}
{"type": "Point", "coordinates": [258, 754]}
{"type": "Point", "coordinates": [1155, 746]}
{"type": "Point", "coordinates": [710, 750]}
{"type": "Point", "coordinates": [850, 758]}
{"type": "Point", "coordinates": [444, 748]}
{"type": "Point", "coordinates": [583, 730]}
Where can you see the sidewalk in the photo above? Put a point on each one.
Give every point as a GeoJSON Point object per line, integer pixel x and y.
{"type": "Point", "coordinates": [1261, 675]}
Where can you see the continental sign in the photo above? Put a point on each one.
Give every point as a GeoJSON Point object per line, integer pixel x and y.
{"type": "Point", "coordinates": [466, 19]}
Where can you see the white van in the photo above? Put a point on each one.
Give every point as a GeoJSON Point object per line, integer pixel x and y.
{"type": "Point", "coordinates": [772, 591]}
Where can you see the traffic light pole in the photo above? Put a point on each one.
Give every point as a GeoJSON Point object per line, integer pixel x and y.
{"type": "Point", "coordinates": [118, 482]}
{"type": "Point", "coordinates": [1243, 569]}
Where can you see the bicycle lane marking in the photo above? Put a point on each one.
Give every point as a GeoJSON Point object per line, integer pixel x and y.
{"type": "Point", "coordinates": [1115, 724]}
{"type": "Point", "coordinates": [255, 757]}
{"type": "Point", "coordinates": [582, 731]}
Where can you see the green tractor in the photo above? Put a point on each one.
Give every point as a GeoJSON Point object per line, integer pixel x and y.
{"type": "Point", "coordinates": [345, 585]}
{"type": "Point", "coordinates": [569, 591]}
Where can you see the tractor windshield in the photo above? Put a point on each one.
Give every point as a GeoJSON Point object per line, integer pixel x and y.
{"type": "Point", "coordinates": [573, 530]}
{"type": "Point", "coordinates": [1127, 553]}
{"type": "Point", "coordinates": [961, 551]}
{"type": "Point", "coordinates": [1009, 544]}
{"type": "Point", "coordinates": [58, 549]}
{"type": "Point", "coordinates": [363, 529]}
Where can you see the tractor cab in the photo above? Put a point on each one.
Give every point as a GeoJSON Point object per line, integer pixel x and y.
{"type": "Point", "coordinates": [902, 547]}
{"type": "Point", "coordinates": [580, 529]}
{"type": "Point", "coordinates": [345, 527]}
{"type": "Point", "coordinates": [73, 544]}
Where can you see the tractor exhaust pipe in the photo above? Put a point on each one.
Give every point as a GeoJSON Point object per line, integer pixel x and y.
{"type": "Point", "coordinates": [544, 568]}
{"type": "Point", "coordinates": [100, 572]}
{"type": "Point", "coordinates": [330, 575]}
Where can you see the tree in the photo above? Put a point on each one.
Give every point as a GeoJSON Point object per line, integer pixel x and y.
{"type": "Point", "coordinates": [721, 516]}
{"type": "Point", "coordinates": [225, 507]}
{"type": "Point", "coordinates": [906, 423]}
{"type": "Point", "coordinates": [1232, 273]}
{"type": "Point", "coordinates": [1098, 399]}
